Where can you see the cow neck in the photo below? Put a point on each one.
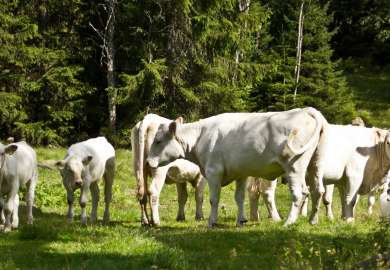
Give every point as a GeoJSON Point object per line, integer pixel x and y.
{"type": "Point", "coordinates": [3, 157]}
{"type": "Point", "coordinates": [187, 135]}
{"type": "Point", "coordinates": [384, 161]}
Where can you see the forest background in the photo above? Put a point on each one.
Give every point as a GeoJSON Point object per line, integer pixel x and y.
{"type": "Point", "coordinates": [74, 69]}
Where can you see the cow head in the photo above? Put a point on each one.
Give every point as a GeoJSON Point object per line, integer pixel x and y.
{"type": "Point", "coordinates": [387, 144]}
{"type": "Point", "coordinates": [73, 170]}
{"type": "Point", "coordinates": [8, 149]}
{"type": "Point", "coordinates": [165, 147]}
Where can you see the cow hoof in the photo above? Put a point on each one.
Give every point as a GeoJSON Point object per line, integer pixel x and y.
{"type": "Point", "coordinates": [7, 229]}
{"type": "Point", "coordinates": [180, 218]}
{"type": "Point", "coordinates": [314, 221]}
{"type": "Point", "coordinates": [350, 220]}
{"type": "Point", "coordinates": [242, 222]}
{"type": "Point", "coordinates": [213, 225]}
{"type": "Point", "coordinates": [199, 218]}
{"type": "Point", "coordinates": [156, 224]}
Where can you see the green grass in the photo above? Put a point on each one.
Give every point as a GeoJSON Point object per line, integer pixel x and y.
{"type": "Point", "coordinates": [53, 243]}
{"type": "Point", "coordinates": [371, 88]}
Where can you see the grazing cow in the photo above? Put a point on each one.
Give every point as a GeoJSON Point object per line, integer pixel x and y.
{"type": "Point", "coordinates": [180, 172]}
{"type": "Point", "coordinates": [328, 196]}
{"type": "Point", "coordinates": [233, 146]}
{"type": "Point", "coordinates": [356, 158]}
{"type": "Point", "coordinates": [85, 163]}
{"type": "Point", "coordinates": [385, 201]}
{"type": "Point", "coordinates": [256, 187]}
{"type": "Point", "coordinates": [18, 167]}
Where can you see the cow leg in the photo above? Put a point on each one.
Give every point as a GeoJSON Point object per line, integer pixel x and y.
{"type": "Point", "coordinates": [143, 201]}
{"type": "Point", "coordinates": [30, 198]}
{"type": "Point", "coordinates": [144, 214]}
{"type": "Point", "coordinates": [304, 207]}
{"type": "Point", "coordinates": [351, 195]}
{"type": "Point", "coordinates": [15, 213]}
{"type": "Point", "coordinates": [254, 194]}
{"type": "Point", "coordinates": [269, 198]}
{"type": "Point", "coordinates": [9, 205]}
{"type": "Point", "coordinates": [316, 193]}
{"type": "Point", "coordinates": [342, 200]}
{"type": "Point", "coordinates": [2, 218]}
{"type": "Point", "coordinates": [70, 199]}
{"type": "Point", "coordinates": [199, 190]}
{"type": "Point", "coordinates": [214, 182]}
{"type": "Point", "coordinates": [83, 201]}
{"type": "Point", "coordinates": [239, 197]}
{"type": "Point", "coordinates": [296, 184]}
{"type": "Point", "coordinates": [158, 180]}
{"type": "Point", "coordinates": [327, 200]}
{"type": "Point", "coordinates": [108, 176]}
{"type": "Point", "coordinates": [8, 209]}
{"type": "Point", "coordinates": [182, 199]}
{"type": "Point", "coordinates": [371, 202]}
{"type": "Point", "coordinates": [350, 208]}
{"type": "Point", "coordinates": [94, 188]}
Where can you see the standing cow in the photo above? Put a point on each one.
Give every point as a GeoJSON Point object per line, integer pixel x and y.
{"type": "Point", "coordinates": [18, 167]}
{"type": "Point", "coordinates": [233, 146]}
{"type": "Point", "coordinates": [85, 163]}
{"type": "Point", "coordinates": [257, 186]}
{"type": "Point", "coordinates": [355, 158]}
{"type": "Point", "coordinates": [181, 172]}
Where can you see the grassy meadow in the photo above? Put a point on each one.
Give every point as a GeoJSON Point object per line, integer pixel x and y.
{"type": "Point", "coordinates": [54, 243]}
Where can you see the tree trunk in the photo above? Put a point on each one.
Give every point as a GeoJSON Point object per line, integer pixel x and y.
{"type": "Point", "coordinates": [297, 69]}
{"type": "Point", "coordinates": [110, 55]}
{"type": "Point", "coordinates": [243, 6]}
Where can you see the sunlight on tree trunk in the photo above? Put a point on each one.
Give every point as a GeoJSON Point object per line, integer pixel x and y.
{"type": "Point", "coordinates": [297, 69]}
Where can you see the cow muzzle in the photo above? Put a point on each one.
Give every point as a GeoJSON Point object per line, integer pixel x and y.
{"type": "Point", "coordinates": [153, 163]}
{"type": "Point", "coordinates": [78, 183]}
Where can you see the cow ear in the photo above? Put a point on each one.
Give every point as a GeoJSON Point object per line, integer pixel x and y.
{"type": "Point", "coordinates": [60, 164]}
{"type": "Point", "coordinates": [179, 120]}
{"type": "Point", "coordinates": [172, 128]}
{"type": "Point", "coordinates": [87, 160]}
{"type": "Point", "coordinates": [10, 149]}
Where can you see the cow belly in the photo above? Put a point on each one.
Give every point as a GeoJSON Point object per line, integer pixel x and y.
{"type": "Point", "coordinates": [269, 171]}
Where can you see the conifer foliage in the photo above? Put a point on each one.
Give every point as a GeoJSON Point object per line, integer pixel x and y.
{"type": "Point", "coordinates": [194, 58]}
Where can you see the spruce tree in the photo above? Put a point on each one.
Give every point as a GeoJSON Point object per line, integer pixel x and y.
{"type": "Point", "coordinates": [322, 84]}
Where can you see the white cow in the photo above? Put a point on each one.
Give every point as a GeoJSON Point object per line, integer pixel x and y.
{"type": "Point", "coordinates": [85, 163]}
{"type": "Point", "coordinates": [233, 146]}
{"type": "Point", "coordinates": [356, 158]}
{"type": "Point", "coordinates": [179, 172]}
{"type": "Point", "coordinates": [18, 167]}
{"type": "Point", "coordinates": [385, 201]}
{"type": "Point", "coordinates": [328, 196]}
{"type": "Point", "coordinates": [258, 186]}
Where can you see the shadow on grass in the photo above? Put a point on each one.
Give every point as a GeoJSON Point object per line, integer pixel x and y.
{"type": "Point", "coordinates": [263, 246]}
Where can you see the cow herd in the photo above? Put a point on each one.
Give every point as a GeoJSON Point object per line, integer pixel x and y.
{"type": "Point", "coordinates": [252, 149]}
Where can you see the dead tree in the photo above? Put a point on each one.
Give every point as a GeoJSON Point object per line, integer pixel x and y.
{"type": "Point", "coordinates": [297, 69]}
{"type": "Point", "coordinates": [106, 36]}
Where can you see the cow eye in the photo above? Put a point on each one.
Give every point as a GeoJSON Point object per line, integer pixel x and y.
{"type": "Point", "coordinates": [158, 142]}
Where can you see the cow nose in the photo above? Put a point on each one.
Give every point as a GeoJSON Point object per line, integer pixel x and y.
{"type": "Point", "coordinates": [79, 183]}
{"type": "Point", "coordinates": [152, 163]}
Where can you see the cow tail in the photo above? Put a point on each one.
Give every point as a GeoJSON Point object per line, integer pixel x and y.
{"type": "Point", "coordinates": [320, 123]}
{"type": "Point", "coordinates": [137, 142]}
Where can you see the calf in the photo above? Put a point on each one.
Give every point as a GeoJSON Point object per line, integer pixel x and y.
{"type": "Point", "coordinates": [356, 158]}
{"type": "Point", "coordinates": [18, 167]}
{"type": "Point", "coordinates": [85, 163]}
{"type": "Point", "coordinates": [180, 172]}
{"type": "Point", "coordinates": [258, 186]}
{"type": "Point", "coordinates": [233, 146]}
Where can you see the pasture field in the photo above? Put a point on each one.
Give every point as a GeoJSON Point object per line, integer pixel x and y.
{"type": "Point", "coordinates": [54, 243]}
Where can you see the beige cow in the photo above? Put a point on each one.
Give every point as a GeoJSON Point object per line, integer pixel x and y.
{"type": "Point", "coordinates": [179, 172]}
